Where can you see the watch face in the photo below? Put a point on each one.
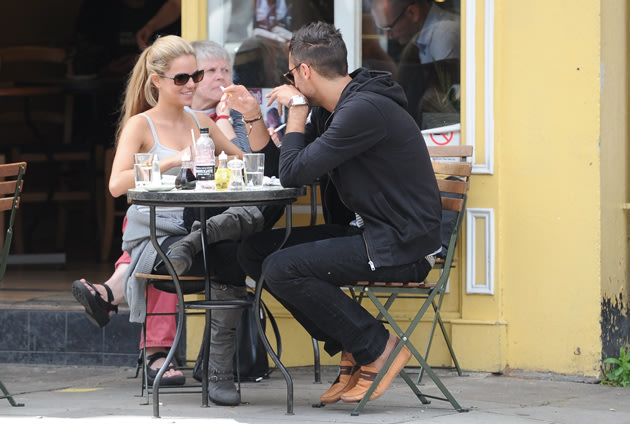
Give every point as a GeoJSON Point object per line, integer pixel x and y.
{"type": "Point", "coordinates": [298, 100]}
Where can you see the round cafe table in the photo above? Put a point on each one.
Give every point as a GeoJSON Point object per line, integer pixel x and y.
{"type": "Point", "coordinates": [266, 195]}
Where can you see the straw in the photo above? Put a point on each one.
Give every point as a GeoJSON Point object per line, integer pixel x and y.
{"type": "Point", "coordinates": [192, 135]}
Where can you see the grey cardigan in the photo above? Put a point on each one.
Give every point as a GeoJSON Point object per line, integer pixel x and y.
{"type": "Point", "coordinates": [137, 243]}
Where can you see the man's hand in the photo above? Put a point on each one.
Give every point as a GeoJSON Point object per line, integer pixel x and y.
{"type": "Point", "coordinates": [282, 94]}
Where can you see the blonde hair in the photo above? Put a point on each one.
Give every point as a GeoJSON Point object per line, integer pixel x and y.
{"type": "Point", "coordinates": [141, 95]}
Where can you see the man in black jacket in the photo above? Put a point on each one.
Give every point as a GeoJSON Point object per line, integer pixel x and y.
{"type": "Point", "coordinates": [359, 135]}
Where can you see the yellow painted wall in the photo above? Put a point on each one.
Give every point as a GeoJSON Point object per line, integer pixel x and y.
{"type": "Point", "coordinates": [548, 166]}
{"type": "Point", "coordinates": [194, 19]}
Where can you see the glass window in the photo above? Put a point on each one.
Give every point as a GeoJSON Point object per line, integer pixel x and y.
{"type": "Point", "coordinates": [418, 41]}
{"type": "Point", "coordinates": [257, 33]}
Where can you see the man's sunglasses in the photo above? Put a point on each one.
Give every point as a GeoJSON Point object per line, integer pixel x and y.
{"type": "Point", "coordinates": [182, 79]}
{"type": "Point", "coordinates": [289, 75]}
{"type": "Point", "coordinates": [395, 21]}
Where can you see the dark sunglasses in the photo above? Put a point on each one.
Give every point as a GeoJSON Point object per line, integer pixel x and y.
{"type": "Point", "coordinates": [182, 79]}
{"type": "Point", "coordinates": [393, 24]}
{"type": "Point", "coordinates": [289, 75]}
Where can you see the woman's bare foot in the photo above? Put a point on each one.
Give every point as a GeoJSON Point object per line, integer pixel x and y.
{"type": "Point", "coordinates": [156, 364]}
{"type": "Point", "coordinates": [115, 282]}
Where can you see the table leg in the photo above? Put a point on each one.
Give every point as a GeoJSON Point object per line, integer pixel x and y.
{"type": "Point", "coordinates": [261, 331]}
{"type": "Point", "coordinates": [207, 332]}
{"type": "Point", "coordinates": [180, 313]}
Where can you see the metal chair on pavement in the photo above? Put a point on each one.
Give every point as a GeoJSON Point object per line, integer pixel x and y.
{"type": "Point", "coordinates": [11, 180]}
{"type": "Point", "coordinates": [453, 182]}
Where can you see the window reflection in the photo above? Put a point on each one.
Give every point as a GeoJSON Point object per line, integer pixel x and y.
{"type": "Point", "coordinates": [258, 34]}
{"type": "Point", "coordinates": [262, 57]}
{"type": "Point", "coordinates": [419, 42]}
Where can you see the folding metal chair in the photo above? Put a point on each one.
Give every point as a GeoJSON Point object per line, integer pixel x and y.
{"type": "Point", "coordinates": [11, 179]}
{"type": "Point", "coordinates": [453, 181]}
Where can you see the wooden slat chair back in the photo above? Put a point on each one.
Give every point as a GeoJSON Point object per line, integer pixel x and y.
{"type": "Point", "coordinates": [45, 130]}
{"type": "Point", "coordinates": [452, 170]}
{"type": "Point", "coordinates": [33, 62]}
{"type": "Point", "coordinates": [11, 183]}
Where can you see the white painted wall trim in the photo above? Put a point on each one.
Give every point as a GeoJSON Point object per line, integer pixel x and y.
{"type": "Point", "coordinates": [348, 20]}
{"type": "Point", "coordinates": [219, 12]}
{"type": "Point", "coordinates": [487, 166]}
{"type": "Point", "coordinates": [486, 216]}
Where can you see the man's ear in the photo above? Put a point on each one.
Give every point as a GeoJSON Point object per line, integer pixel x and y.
{"type": "Point", "coordinates": [307, 71]}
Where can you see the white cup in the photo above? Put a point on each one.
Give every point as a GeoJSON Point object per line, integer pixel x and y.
{"type": "Point", "coordinates": [254, 169]}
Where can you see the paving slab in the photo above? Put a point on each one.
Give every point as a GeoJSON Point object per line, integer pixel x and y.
{"type": "Point", "coordinates": [73, 394]}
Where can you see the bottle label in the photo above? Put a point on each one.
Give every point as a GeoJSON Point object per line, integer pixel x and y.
{"type": "Point", "coordinates": [205, 172]}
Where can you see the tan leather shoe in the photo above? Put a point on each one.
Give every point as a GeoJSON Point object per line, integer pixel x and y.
{"type": "Point", "coordinates": [348, 377]}
{"type": "Point", "coordinates": [368, 374]}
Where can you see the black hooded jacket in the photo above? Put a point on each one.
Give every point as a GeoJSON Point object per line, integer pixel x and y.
{"type": "Point", "coordinates": [374, 154]}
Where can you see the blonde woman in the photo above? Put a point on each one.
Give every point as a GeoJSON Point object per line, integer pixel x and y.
{"type": "Point", "coordinates": [154, 119]}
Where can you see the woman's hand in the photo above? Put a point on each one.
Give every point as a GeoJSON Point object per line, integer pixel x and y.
{"type": "Point", "coordinates": [223, 109]}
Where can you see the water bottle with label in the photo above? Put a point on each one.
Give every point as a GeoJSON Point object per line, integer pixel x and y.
{"type": "Point", "coordinates": [204, 161]}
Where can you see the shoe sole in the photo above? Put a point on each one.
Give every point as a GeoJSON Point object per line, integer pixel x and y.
{"type": "Point", "coordinates": [88, 301]}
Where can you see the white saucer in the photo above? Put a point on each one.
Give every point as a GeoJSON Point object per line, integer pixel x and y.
{"type": "Point", "coordinates": [161, 187]}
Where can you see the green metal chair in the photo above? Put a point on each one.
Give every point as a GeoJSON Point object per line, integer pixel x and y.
{"type": "Point", "coordinates": [11, 180]}
{"type": "Point", "coordinates": [453, 181]}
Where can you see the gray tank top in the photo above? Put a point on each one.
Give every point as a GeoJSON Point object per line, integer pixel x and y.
{"type": "Point", "coordinates": [161, 151]}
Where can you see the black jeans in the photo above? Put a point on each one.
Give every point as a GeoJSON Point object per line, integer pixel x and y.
{"type": "Point", "coordinates": [306, 276]}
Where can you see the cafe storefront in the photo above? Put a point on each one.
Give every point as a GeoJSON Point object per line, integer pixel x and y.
{"type": "Point", "coordinates": [540, 91]}
{"type": "Point", "coordinates": [542, 96]}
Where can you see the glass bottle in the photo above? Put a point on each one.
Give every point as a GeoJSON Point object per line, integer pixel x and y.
{"type": "Point", "coordinates": [236, 167]}
{"type": "Point", "coordinates": [186, 180]}
{"type": "Point", "coordinates": [222, 173]}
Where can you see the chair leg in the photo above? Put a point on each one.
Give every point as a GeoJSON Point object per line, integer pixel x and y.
{"type": "Point", "coordinates": [437, 319]}
{"type": "Point", "coordinates": [316, 362]}
{"type": "Point", "coordinates": [8, 396]}
{"type": "Point", "coordinates": [404, 341]}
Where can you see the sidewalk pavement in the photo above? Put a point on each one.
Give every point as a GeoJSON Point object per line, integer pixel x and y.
{"type": "Point", "coordinates": [56, 394]}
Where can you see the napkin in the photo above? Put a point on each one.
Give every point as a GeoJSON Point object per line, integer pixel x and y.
{"type": "Point", "coordinates": [271, 181]}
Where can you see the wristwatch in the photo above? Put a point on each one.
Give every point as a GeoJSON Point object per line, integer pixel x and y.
{"type": "Point", "coordinates": [298, 100]}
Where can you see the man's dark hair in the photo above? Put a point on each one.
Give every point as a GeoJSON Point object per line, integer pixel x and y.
{"type": "Point", "coordinates": [320, 46]}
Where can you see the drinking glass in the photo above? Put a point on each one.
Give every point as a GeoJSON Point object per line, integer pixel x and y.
{"type": "Point", "coordinates": [142, 166]}
{"type": "Point", "coordinates": [254, 169]}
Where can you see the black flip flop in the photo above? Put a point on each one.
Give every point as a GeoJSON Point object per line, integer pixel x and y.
{"type": "Point", "coordinates": [179, 380]}
{"type": "Point", "coordinates": [96, 308]}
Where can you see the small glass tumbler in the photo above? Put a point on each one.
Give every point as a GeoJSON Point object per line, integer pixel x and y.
{"type": "Point", "coordinates": [254, 169]}
{"type": "Point", "coordinates": [142, 166]}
